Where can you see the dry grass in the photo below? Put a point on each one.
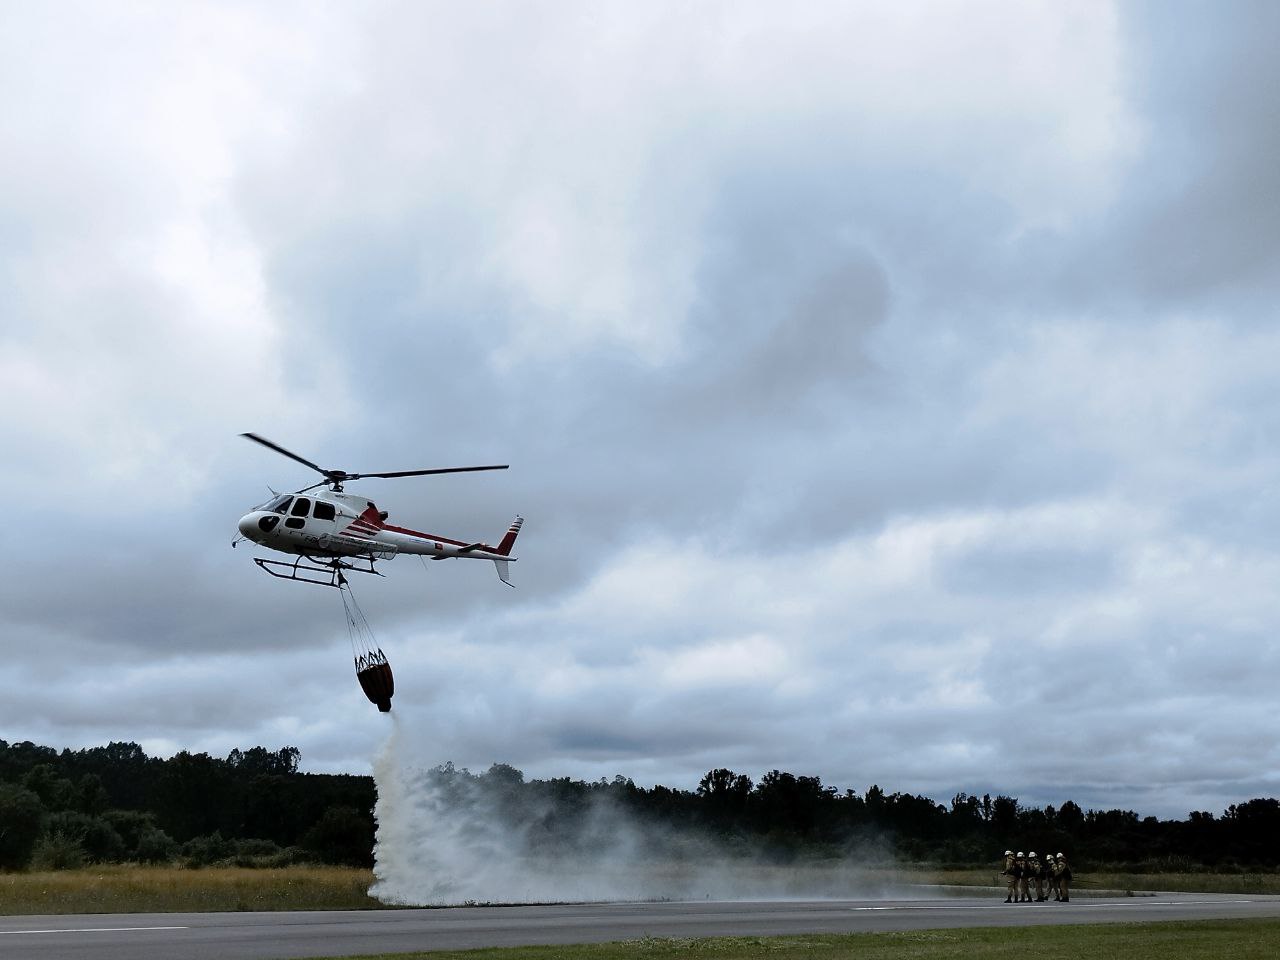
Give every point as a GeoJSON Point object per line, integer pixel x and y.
{"type": "Point", "coordinates": [139, 889]}
{"type": "Point", "coordinates": [144, 889]}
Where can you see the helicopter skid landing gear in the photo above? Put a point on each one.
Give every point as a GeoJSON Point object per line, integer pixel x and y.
{"type": "Point", "coordinates": [324, 573]}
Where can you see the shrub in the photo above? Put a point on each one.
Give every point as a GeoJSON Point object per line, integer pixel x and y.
{"type": "Point", "coordinates": [131, 825]}
{"type": "Point", "coordinates": [97, 838]}
{"type": "Point", "coordinates": [252, 847]}
{"type": "Point", "coordinates": [155, 846]}
{"type": "Point", "coordinates": [206, 851]}
{"type": "Point", "coordinates": [255, 853]}
{"type": "Point", "coordinates": [57, 851]}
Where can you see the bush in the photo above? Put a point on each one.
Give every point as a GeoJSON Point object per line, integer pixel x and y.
{"type": "Point", "coordinates": [206, 851]}
{"type": "Point", "coordinates": [97, 838]}
{"type": "Point", "coordinates": [144, 841]}
{"type": "Point", "coordinates": [57, 851]}
{"type": "Point", "coordinates": [255, 853]}
{"type": "Point", "coordinates": [155, 846]}
{"type": "Point", "coordinates": [252, 847]}
{"type": "Point", "coordinates": [131, 825]}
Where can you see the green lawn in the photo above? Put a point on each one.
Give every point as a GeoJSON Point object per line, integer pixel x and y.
{"type": "Point", "coordinates": [1190, 940]}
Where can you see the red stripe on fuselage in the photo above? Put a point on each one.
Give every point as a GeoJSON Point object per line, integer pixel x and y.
{"type": "Point", "coordinates": [364, 526]}
{"type": "Point", "coordinates": [424, 536]}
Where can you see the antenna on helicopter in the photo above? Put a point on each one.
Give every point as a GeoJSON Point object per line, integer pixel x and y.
{"type": "Point", "coordinates": [336, 478]}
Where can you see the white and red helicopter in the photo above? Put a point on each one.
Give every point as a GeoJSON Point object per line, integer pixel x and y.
{"type": "Point", "coordinates": [331, 531]}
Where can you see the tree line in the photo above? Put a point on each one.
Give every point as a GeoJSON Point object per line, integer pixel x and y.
{"type": "Point", "coordinates": [116, 804]}
{"type": "Point", "coordinates": [255, 808]}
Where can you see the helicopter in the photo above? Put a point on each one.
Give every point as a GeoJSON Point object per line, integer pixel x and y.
{"type": "Point", "coordinates": [332, 531]}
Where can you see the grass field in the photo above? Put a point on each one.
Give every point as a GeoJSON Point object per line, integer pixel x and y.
{"type": "Point", "coordinates": [138, 889]}
{"type": "Point", "coordinates": [142, 889]}
{"type": "Point", "coordinates": [1193, 940]}
{"type": "Point", "coordinates": [1268, 883]}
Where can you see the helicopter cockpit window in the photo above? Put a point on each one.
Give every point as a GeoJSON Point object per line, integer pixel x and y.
{"type": "Point", "coordinates": [278, 505]}
{"type": "Point", "coordinates": [324, 511]}
{"type": "Point", "coordinates": [301, 507]}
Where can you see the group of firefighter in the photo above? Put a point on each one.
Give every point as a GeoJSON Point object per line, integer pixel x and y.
{"type": "Point", "coordinates": [1026, 873]}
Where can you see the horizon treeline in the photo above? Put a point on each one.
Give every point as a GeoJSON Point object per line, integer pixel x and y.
{"type": "Point", "coordinates": [255, 808]}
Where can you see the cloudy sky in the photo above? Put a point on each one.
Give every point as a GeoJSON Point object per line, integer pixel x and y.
{"type": "Point", "coordinates": [891, 389]}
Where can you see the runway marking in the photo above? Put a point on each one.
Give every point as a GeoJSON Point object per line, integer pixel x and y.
{"type": "Point", "coordinates": [91, 930]}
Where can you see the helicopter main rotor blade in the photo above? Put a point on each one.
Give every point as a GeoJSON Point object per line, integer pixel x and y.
{"type": "Point", "coordinates": [283, 452]}
{"type": "Point", "coordinates": [423, 473]}
{"type": "Point", "coordinates": [338, 477]}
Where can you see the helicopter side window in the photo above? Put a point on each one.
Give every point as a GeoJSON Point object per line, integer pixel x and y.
{"type": "Point", "coordinates": [301, 507]}
{"type": "Point", "coordinates": [279, 505]}
{"type": "Point", "coordinates": [324, 511]}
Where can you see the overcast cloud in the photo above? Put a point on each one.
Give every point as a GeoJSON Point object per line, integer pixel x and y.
{"type": "Point", "coordinates": [891, 391]}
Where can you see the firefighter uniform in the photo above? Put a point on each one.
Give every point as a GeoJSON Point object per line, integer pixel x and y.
{"type": "Point", "coordinates": [1035, 876]}
{"type": "Point", "coordinates": [1062, 870]}
{"type": "Point", "coordinates": [1010, 875]}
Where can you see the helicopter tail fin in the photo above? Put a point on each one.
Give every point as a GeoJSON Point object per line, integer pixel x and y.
{"type": "Point", "coordinates": [504, 548]}
{"type": "Point", "coordinates": [509, 540]}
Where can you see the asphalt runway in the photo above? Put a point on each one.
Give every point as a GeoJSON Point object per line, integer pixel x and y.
{"type": "Point", "coordinates": [263, 936]}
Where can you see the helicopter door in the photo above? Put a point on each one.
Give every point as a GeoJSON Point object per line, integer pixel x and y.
{"type": "Point", "coordinates": [297, 517]}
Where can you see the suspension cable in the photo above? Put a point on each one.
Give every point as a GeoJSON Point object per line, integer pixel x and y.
{"type": "Point", "coordinates": [364, 648]}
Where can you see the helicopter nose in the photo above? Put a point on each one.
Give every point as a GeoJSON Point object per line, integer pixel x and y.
{"type": "Point", "coordinates": [249, 526]}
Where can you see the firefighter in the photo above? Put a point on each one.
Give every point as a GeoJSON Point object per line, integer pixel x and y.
{"type": "Point", "coordinates": [1063, 871]}
{"type": "Point", "coordinates": [1022, 867]}
{"type": "Point", "coordinates": [1035, 875]}
{"type": "Point", "coordinates": [1010, 873]}
{"type": "Point", "coordinates": [1051, 878]}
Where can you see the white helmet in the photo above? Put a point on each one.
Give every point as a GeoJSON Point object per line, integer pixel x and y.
{"type": "Point", "coordinates": [1021, 854]}
{"type": "Point", "coordinates": [1008, 853]}
{"type": "Point", "coordinates": [1031, 854]}
{"type": "Point", "coordinates": [1061, 856]}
